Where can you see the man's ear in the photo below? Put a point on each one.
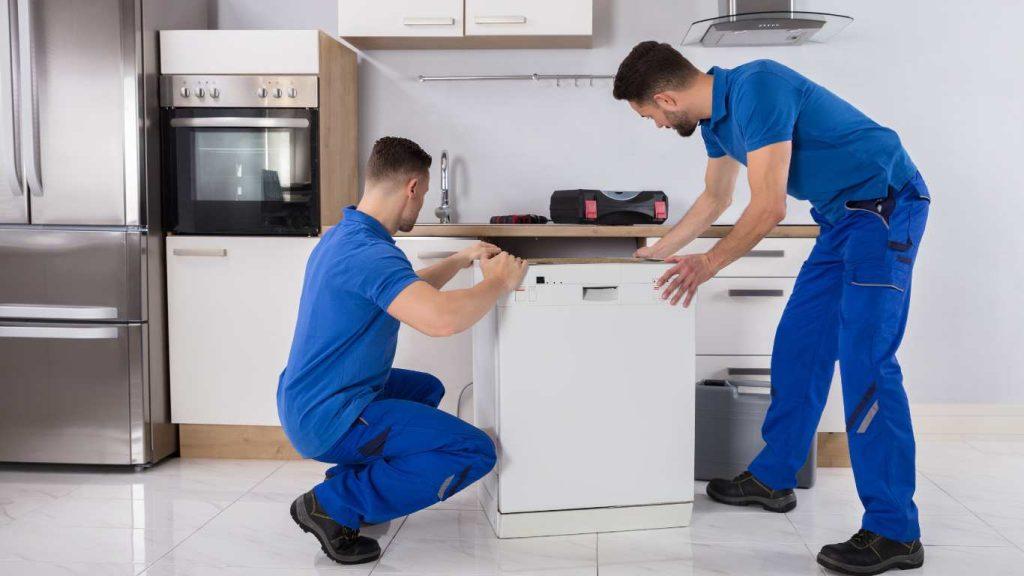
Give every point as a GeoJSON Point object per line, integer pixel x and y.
{"type": "Point", "coordinates": [665, 100]}
{"type": "Point", "coordinates": [411, 186]}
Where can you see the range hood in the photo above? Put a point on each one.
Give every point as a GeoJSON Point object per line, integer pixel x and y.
{"type": "Point", "coordinates": [764, 23]}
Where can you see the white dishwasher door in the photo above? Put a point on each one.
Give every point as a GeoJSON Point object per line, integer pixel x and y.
{"type": "Point", "coordinates": [595, 392]}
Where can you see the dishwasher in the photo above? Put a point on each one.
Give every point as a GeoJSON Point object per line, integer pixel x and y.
{"type": "Point", "coordinates": [584, 378]}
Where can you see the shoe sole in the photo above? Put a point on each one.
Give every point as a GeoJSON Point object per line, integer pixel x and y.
{"type": "Point", "coordinates": [779, 505]}
{"type": "Point", "coordinates": [909, 562]}
{"type": "Point", "coordinates": [301, 517]}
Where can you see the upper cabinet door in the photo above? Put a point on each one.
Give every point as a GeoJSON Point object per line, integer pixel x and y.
{"type": "Point", "coordinates": [529, 17]}
{"type": "Point", "coordinates": [79, 111]}
{"type": "Point", "coordinates": [400, 18]}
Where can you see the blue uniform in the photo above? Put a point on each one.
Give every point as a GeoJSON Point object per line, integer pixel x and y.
{"type": "Point", "coordinates": [851, 297]}
{"type": "Point", "coordinates": [341, 402]}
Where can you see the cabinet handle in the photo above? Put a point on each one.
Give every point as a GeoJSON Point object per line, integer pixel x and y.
{"type": "Point", "coordinates": [748, 371]}
{"type": "Point", "coordinates": [435, 255]}
{"type": "Point", "coordinates": [416, 21]}
{"type": "Point", "coordinates": [736, 293]}
{"type": "Point", "coordinates": [201, 252]}
{"type": "Point", "coordinates": [500, 20]}
{"type": "Point", "coordinates": [58, 333]}
{"type": "Point", "coordinates": [765, 254]}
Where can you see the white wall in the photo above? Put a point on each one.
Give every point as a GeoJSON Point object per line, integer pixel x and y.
{"type": "Point", "coordinates": [946, 76]}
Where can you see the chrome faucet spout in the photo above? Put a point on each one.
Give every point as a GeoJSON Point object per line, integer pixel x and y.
{"type": "Point", "coordinates": [444, 212]}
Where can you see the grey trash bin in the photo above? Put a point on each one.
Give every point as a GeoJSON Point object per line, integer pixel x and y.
{"type": "Point", "coordinates": [728, 429]}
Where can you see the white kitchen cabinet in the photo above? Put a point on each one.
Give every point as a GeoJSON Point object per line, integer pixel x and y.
{"type": "Point", "coordinates": [405, 24]}
{"type": "Point", "coordinates": [232, 304]}
{"type": "Point", "coordinates": [772, 257]}
{"type": "Point", "coordinates": [400, 18]}
{"type": "Point", "coordinates": [451, 358]}
{"type": "Point", "coordinates": [529, 18]}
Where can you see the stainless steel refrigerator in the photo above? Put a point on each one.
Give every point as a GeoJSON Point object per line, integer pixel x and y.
{"type": "Point", "coordinates": [83, 375]}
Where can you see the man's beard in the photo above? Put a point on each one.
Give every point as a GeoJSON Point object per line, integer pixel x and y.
{"type": "Point", "coordinates": [682, 123]}
{"type": "Point", "coordinates": [406, 226]}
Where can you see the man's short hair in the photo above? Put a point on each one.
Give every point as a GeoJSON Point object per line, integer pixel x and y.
{"type": "Point", "coordinates": [650, 68]}
{"type": "Point", "coordinates": [396, 158]}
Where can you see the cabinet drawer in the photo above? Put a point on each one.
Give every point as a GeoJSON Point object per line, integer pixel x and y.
{"type": "Point", "coordinates": [400, 18]}
{"type": "Point", "coordinates": [734, 368]}
{"type": "Point", "coordinates": [772, 257]}
{"type": "Point", "coordinates": [739, 315]}
{"type": "Point", "coordinates": [529, 18]}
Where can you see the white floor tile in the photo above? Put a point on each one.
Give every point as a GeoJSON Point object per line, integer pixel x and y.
{"type": "Point", "coordinates": [260, 535]}
{"type": "Point", "coordinates": [25, 568]}
{"type": "Point", "coordinates": [170, 567]}
{"type": "Point", "coordinates": [63, 544]}
{"type": "Point", "coordinates": [763, 527]}
{"type": "Point", "coordinates": [479, 557]}
{"type": "Point", "coordinates": [689, 559]}
{"type": "Point", "coordinates": [936, 530]}
{"type": "Point", "coordinates": [958, 561]}
{"type": "Point", "coordinates": [447, 525]}
{"type": "Point", "coordinates": [156, 512]}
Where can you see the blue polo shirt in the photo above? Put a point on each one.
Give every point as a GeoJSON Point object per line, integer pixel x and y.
{"type": "Point", "coordinates": [344, 340]}
{"type": "Point", "coordinates": [839, 154]}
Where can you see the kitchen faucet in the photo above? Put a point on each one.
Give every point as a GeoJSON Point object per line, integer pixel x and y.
{"type": "Point", "coordinates": [444, 211]}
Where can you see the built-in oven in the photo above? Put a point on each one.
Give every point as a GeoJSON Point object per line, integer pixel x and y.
{"type": "Point", "coordinates": [240, 155]}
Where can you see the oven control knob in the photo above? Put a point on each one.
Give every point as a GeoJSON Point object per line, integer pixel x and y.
{"type": "Point", "coordinates": [214, 92]}
{"type": "Point", "coordinates": [261, 92]}
{"type": "Point", "coordinates": [200, 93]}
{"type": "Point", "coordinates": [185, 92]}
{"type": "Point", "coordinates": [278, 93]}
{"type": "Point", "coordinates": [293, 93]}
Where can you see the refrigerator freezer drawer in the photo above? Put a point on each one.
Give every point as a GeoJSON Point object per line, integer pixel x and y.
{"type": "Point", "coordinates": [68, 392]}
{"type": "Point", "coordinates": [76, 275]}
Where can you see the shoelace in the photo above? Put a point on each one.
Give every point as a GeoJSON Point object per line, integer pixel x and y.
{"type": "Point", "coordinates": [347, 536]}
{"type": "Point", "coordinates": [862, 538]}
{"type": "Point", "coordinates": [742, 477]}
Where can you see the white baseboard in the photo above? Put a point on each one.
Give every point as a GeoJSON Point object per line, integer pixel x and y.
{"type": "Point", "coordinates": [968, 418]}
{"type": "Point", "coordinates": [946, 418]}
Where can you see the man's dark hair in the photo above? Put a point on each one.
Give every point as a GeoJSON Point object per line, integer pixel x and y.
{"type": "Point", "coordinates": [394, 157]}
{"type": "Point", "coordinates": [652, 67]}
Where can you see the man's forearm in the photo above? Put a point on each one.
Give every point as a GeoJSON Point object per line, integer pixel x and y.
{"type": "Point", "coordinates": [441, 273]}
{"type": "Point", "coordinates": [464, 308]}
{"type": "Point", "coordinates": [754, 224]}
{"type": "Point", "coordinates": [697, 219]}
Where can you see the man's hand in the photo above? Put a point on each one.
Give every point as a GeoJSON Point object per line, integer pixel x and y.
{"type": "Point", "coordinates": [690, 272]}
{"type": "Point", "coordinates": [646, 252]}
{"type": "Point", "coordinates": [505, 268]}
{"type": "Point", "coordinates": [477, 251]}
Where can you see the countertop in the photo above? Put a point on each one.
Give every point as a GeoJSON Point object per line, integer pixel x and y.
{"type": "Point", "coordinates": [583, 231]}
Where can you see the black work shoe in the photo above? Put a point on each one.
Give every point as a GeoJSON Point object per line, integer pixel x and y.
{"type": "Point", "coordinates": [745, 490]}
{"type": "Point", "coordinates": [342, 544]}
{"type": "Point", "coordinates": [869, 553]}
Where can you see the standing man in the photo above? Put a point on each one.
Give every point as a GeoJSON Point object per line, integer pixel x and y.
{"type": "Point", "coordinates": [851, 298]}
{"type": "Point", "coordinates": [339, 399]}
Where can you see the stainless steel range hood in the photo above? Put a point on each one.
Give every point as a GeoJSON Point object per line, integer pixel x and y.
{"type": "Point", "coordinates": [764, 23]}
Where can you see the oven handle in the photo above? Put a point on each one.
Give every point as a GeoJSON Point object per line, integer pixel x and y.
{"type": "Point", "coordinates": [239, 122]}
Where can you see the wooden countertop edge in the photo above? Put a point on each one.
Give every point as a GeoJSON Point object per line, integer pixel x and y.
{"type": "Point", "coordinates": [581, 231]}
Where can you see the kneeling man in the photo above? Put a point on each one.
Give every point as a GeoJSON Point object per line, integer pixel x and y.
{"type": "Point", "coordinates": [339, 399]}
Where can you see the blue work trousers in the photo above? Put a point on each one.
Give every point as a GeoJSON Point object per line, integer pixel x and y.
{"type": "Point", "coordinates": [850, 304]}
{"type": "Point", "coordinates": [402, 455]}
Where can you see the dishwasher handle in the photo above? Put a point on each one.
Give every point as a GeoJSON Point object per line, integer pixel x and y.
{"type": "Point", "coordinates": [600, 293]}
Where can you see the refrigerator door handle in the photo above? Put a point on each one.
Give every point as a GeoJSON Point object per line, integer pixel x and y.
{"type": "Point", "coordinates": [39, 312]}
{"type": "Point", "coordinates": [29, 105]}
{"type": "Point", "coordinates": [59, 333]}
{"type": "Point", "coordinates": [10, 156]}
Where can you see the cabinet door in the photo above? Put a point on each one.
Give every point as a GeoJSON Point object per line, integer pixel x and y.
{"type": "Point", "coordinates": [529, 18]}
{"type": "Point", "coordinates": [232, 304]}
{"type": "Point", "coordinates": [738, 316]}
{"type": "Point", "coordinates": [450, 359]}
{"type": "Point", "coordinates": [391, 18]}
{"type": "Point", "coordinates": [772, 257]}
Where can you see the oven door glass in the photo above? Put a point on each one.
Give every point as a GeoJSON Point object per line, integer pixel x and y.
{"type": "Point", "coordinates": [242, 171]}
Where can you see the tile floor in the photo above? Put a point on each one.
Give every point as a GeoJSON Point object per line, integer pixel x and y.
{"type": "Point", "coordinates": [216, 517]}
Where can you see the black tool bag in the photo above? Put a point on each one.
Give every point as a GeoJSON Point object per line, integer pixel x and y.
{"type": "Point", "coordinates": [608, 208]}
